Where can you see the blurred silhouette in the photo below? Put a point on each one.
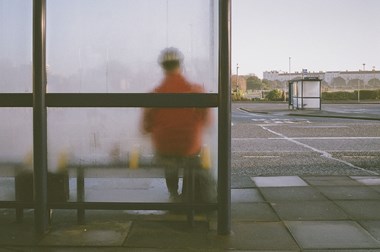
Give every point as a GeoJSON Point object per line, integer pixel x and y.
{"type": "Point", "coordinates": [176, 133]}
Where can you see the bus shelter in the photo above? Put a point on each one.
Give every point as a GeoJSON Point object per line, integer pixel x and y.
{"type": "Point", "coordinates": [305, 93]}
{"type": "Point", "coordinates": [76, 76]}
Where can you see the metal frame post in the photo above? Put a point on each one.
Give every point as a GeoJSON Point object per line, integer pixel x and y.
{"type": "Point", "coordinates": [224, 118]}
{"type": "Point", "coordinates": [41, 212]}
{"type": "Point", "coordinates": [320, 94]}
{"type": "Point", "coordinates": [302, 93]}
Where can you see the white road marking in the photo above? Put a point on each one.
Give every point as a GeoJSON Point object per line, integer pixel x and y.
{"type": "Point", "coordinates": [249, 138]}
{"type": "Point", "coordinates": [279, 121]}
{"type": "Point", "coordinates": [357, 156]}
{"type": "Point", "coordinates": [328, 138]}
{"type": "Point", "coordinates": [304, 138]}
{"type": "Point", "coordinates": [319, 127]}
{"type": "Point", "coordinates": [261, 156]}
{"type": "Point", "coordinates": [323, 153]}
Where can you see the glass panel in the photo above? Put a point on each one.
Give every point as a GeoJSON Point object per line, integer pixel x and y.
{"type": "Point", "coordinates": [15, 46]}
{"type": "Point", "coordinates": [113, 46]}
{"type": "Point", "coordinates": [16, 148]}
{"type": "Point", "coordinates": [311, 103]}
{"type": "Point", "coordinates": [118, 160]}
{"type": "Point", "coordinates": [311, 89]}
{"type": "Point", "coordinates": [299, 88]}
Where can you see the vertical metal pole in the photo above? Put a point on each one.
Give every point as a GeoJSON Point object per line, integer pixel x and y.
{"type": "Point", "coordinates": [41, 215]}
{"type": "Point", "coordinates": [224, 118]}
{"type": "Point", "coordinates": [320, 95]}
{"type": "Point", "coordinates": [80, 195]}
{"type": "Point", "coordinates": [289, 90]}
{"type": "Point", "coordinates": [302, 93]}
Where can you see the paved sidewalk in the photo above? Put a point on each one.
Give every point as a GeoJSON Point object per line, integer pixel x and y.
{"type": "Point", "coordinates": [287, 213]}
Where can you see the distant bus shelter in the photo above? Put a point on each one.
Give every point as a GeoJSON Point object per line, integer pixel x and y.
{"type": "Point", "coordinates": [305, 93]}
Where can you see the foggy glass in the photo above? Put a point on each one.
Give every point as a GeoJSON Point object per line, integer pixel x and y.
{"type": "Point", "coordinates": [16, 46]}
{"type": "Point", "coordinates": [118, 160]}
{"type": "Point", "coordinates": [16, 148]}
{"type": "Point", "coordinates": [311, 90]}
{"type": "Point", "coordinates": [97, 46]}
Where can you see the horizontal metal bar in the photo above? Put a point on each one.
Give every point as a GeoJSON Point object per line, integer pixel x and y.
{"type": "Point", "coordinates": [132, 100]}
{"type": "Point", "coordinates": [16, 100]}
{"type": "Point", "coordinates": [114, 205]}
{"type": "Point", "coordinates": [16, 204]}
{"type": "Point", "coordinates": [113, 100]}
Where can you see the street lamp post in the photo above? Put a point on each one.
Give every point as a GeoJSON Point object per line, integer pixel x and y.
{"type": "Point", "coordinates": [290, 77]}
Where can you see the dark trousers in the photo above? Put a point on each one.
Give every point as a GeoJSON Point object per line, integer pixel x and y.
{"type": "Point", "coordinates": [172, 166]}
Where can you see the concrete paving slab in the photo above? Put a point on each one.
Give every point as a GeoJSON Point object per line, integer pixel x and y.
{"type": "Point", "coordinates": [376, 188]}
{"type": "Point", "coordinates": [331, 235]}
{"type": "Point", "coordinates": [349, 192]}
{"type": "Point", "coordinates": [19, 234]}
{"type": "Point", "coordinates": [367, 180]}
{"type": "Point", "coordinates": [157, 215]}
{"type": "Point", "coordinates": [309, 210]}
{"type": "Point", "coordinates": [330, 181]}
{"type": "Point", "coordinates": [246, 195]}
{"type": "Point", "coordinates": [122, 183]}
{"type": "Point", "coordinates": [361, 209]}
{"type": "Point", "coordinates": [168, 235]}
{"type": "Point", "coordinates": [278, 181]}
{"type": "Point", "coordinates": [253, 236]}
{"type": "Point", "coordinates": [126, 190]}
{"type": "Point", "coordinates": [301, 193]}
{"type": "Point", "coordinates": [97, 233]}
{"type": "Point", "coordinates": [242, 182]}
{"type": "Point", "coordinates": [121, 195]}
{"type": "Point", "coordinates": [13, 233]}
{"type": "Point", "coordinates": [253, 212]}
{"type": "Point", "coordinates": [373, 227]}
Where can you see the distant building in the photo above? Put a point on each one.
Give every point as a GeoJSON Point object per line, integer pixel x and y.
{"type": "Point", "coordinates": [332, 79]}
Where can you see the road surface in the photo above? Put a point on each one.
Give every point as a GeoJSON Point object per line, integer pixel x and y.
{"type": "Point", "coordinates": [275, 143]}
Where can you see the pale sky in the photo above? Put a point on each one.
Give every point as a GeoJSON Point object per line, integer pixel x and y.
{"type": "Point", "coordinates": [318, 35]}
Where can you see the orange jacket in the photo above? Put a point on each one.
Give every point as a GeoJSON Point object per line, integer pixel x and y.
{"type": "Point", "coordinates": [176, 131]}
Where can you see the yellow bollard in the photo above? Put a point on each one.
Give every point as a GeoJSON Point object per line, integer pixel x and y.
{"type": "Point", "coordinates": [63, 160]}
{"type": "Point", "coordinates": [28, 160]}
{"type": "Point", "coordinates": [134, 156]}
{"type": "Point", "coordinates": [206, 157]}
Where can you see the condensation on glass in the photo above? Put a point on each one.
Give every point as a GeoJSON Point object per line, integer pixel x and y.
{"type": "Point", "coordinates": [117, 159]}
{"type": "Point", "coordinates": [16, 127]}
{"type": "Point", "coordinates": [97, 46]}
{"type": "Point", "coordinates": [16, 46]}
{"type": "Point", "coordinates": [16, 148]}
